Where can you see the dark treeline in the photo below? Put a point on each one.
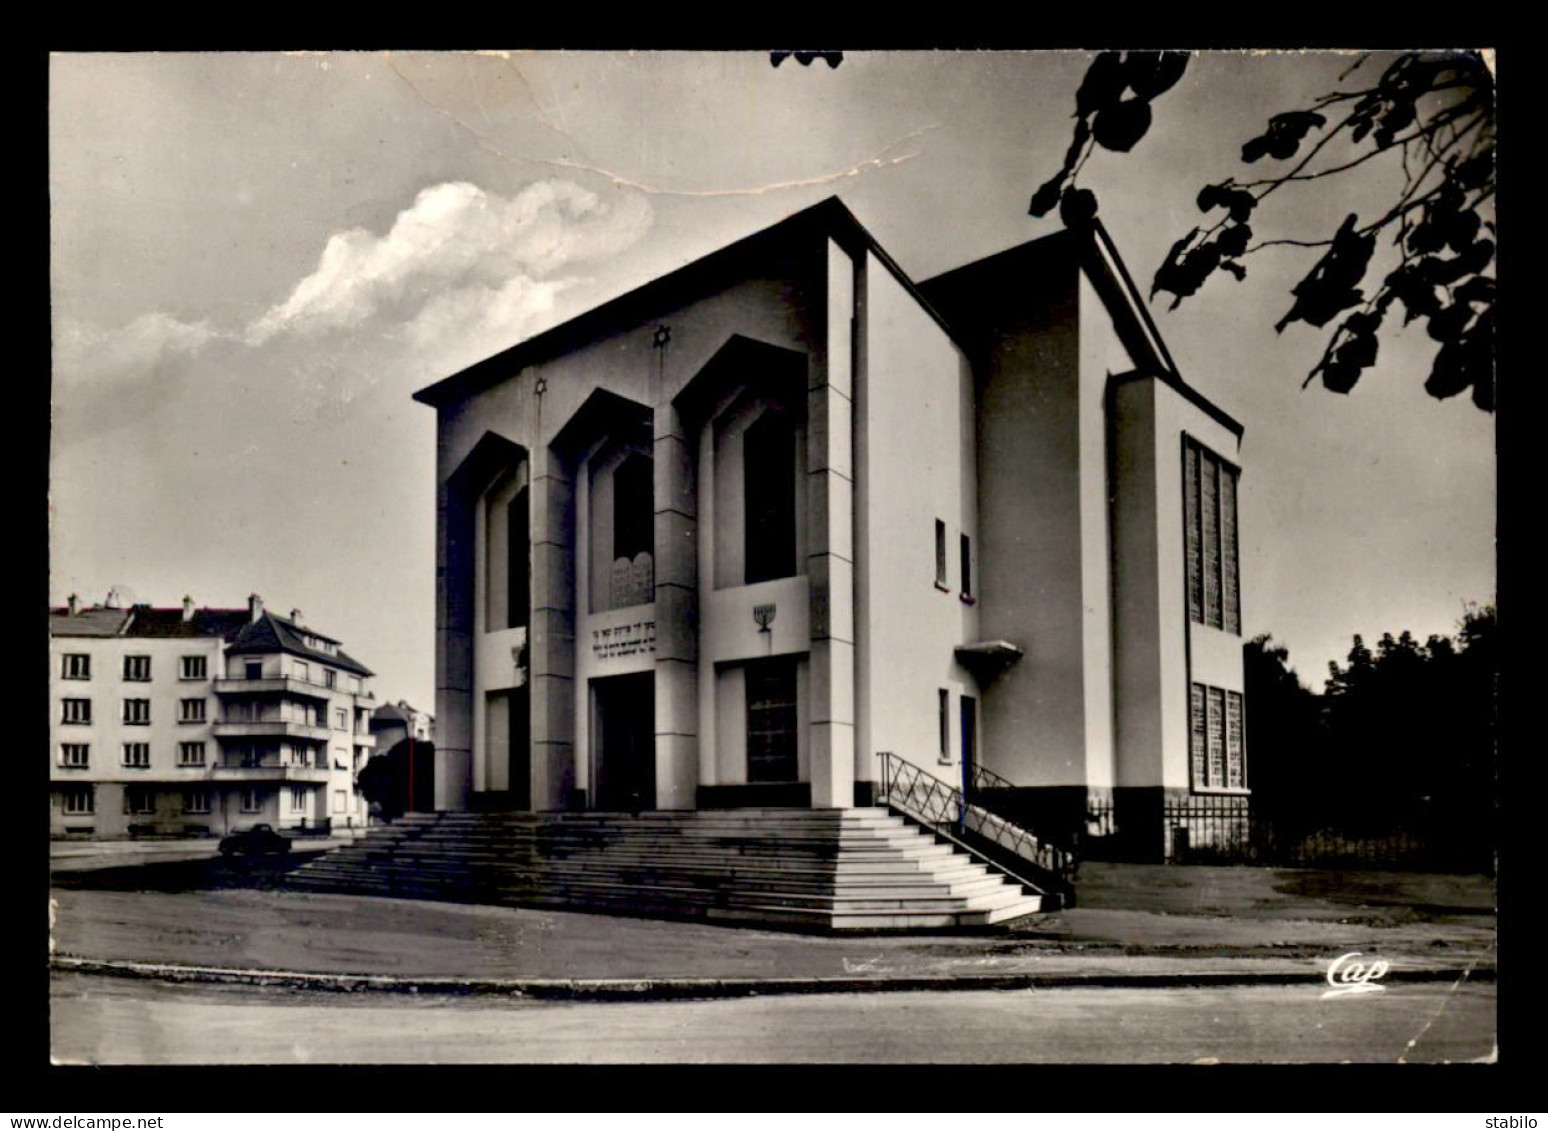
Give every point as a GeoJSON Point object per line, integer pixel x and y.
{"type": "Point", "coordinates": [1402, 740]}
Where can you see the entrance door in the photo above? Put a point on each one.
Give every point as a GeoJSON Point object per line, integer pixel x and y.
{"type": "Point", "coordinates": [969, 743]}
{"type": "Point", "coordinates": [623, 742]}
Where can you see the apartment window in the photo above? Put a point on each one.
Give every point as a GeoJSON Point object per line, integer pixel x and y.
{"type": "Point", "coordinates": [330, 678]}
{"type": "Point", "coordinates": [254, 670]}
{"type": "Point", "coordinates": [195, 667]}
{"type": "Point", "coordinates": [297, 798]}
{"type": "Point", "coordinates": [340, 720]}
{"type": "Point", "coordinates": [966, 546]}
{"type": "Point", "coordinates": [137, 755]}
{"type": "Point", "coordinates": [1210, 519]}
{"type": "Point", "coordinates": [75, 666]}
{"type": "Point", "coordinates": [137, 669]}
{"type": "Point", "coordinates": [943, 723]}
{"type": "Point", "coordinates": [78, 800]}
{"type": "Point", "coordinates": [191, 711]}
{"type": "Point", "coordinates": [1217, 754]}
{"type": "Point", "coordinates": [196, 802]}
{"type": "Point", "coordinates": [252, 801]}
{"type": "Point", "coordinates": [139, 800]}
{"type": "Point", "coordinates": [137, 712]}
{"type": "Point", "coordinates": [190, 753]}
{"type": "Point", "coordinates": [771, 720]}
{"type": "Point", "coordinates": [76, 711]}
{"type": "Point", "coordinates": [75, 755]}
{"type": "Point", "coordinates": [940, 554]}
{"type": "Point", "coordinates": [354, 680]}
{"type": "Point", "coordinates": [341, 801]}
{"type": "Point", "coordinates": [341, 758]}
{"type": "Point", "coordinates": [769, 497]}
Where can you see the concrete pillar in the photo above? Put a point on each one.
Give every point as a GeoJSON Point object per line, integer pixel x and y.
{"type": "Point", "coordinates": [552, 648]}
{"type": "Point", "coordinates": [453, 648]}
{"type": "Point", "coordinates": [677, 613]}
{"type": "Point", "coordinates": [830, 495]}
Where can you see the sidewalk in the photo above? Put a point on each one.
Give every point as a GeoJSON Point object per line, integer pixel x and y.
{"type": "Point", "coordinates": [1135, 926]}
{"type": "Point", "coordinates": [90, 855]}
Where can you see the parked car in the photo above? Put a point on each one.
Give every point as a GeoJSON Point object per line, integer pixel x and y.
{"type": "Point", "coordinates": [258, 839]}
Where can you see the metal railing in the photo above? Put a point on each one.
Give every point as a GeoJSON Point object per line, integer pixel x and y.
{"type": "Point", "coordinates": [931, 801]}
{"type": "Point", "coordinates": [980, 778]}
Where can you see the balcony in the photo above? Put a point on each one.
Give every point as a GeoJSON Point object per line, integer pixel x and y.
{"type": "Point", "coordinates": [313, 775]}
{"type": "Point", "coordinates": [368, 741]}
{"type": "Point", "coordinates": [270, 728]}
{"type": "Point", "coordinates": [276, 685]}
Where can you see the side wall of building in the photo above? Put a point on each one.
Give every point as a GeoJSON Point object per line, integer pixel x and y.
{"type": "Point", "coordinates": [914, 468]}
{"type": "Point", "coordinates": [1159, 652]}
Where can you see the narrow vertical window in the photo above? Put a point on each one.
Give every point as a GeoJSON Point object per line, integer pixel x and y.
{"type": "Point", "coordinates": [1195, 538]}
{"type": "Point", "coordinates": [943, 713]}
{"type": "Point", "coordinates": [967, 566]}
{"type": "Point", "coordinates": [769, 495]}
{"type": "Point", "coordinates": [518, 562]}
{"type": "Point", "coordinates": [940, 553]}
{"type": "Point", "coordinates": [1196, 736]}
{"type": "Point", "coordinates": [634, 517]}
{"type": "Point", "coordinates": [1216, 698]}
{"type": "Point", "coordinates": [1210, 524]}
{"type": "Point", "coordinates": [1230, 595]}
{"type": "Point", "coordinates": [1236, 762]}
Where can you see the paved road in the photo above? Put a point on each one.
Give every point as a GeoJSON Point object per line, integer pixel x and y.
{"type": "Point", "coordinates": [112, 1021]}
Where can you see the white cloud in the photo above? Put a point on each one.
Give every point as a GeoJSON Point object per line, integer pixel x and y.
{"type": "Point", "coordinates": [454, 247]}
{"type": "Point", "coordinates": [141, 349]}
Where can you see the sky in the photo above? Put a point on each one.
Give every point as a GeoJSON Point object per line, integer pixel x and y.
{"type": "Point", "coordinates": [256, 259]}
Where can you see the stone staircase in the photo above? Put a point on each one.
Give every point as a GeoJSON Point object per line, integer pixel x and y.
{"type": "Point", "coordinates": [841, 869]}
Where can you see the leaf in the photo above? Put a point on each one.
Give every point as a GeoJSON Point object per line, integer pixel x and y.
{"type": "Point", "coordinates": [1044, 199]}
{"type": "Point", "coordinates": [1283, 136]}
{"type": "Point", "coordinates": [1151, 73]}
{"type": "Point", "coordinates": [1339, 377]}
{"type": "Point", "coordinates": [1359, 351]}
{"type": "Point", "coordinates": [1171, 264]}
{"type": "Point", "coordinates": [1121, 125]}
{"type": "Point", "coordinates": [1398, 117]}
{"type": "Point", "coordinates": [1475, 171]}
{"type": "Point", "coordinates": [1077, 207]}
{"type": "Point", "coordinates": [1331, 286]}
{"type": "Point", "coordinates": [1235, 268]}
{"type": "Point", "coordinates": [1447, 324]}
{"type": "Point", "coordinates": [1103, 84]}
{"type": "Point", "coordinates": [1467, 362]}
{"type": "Point", "coordinates": [1479, 289]}
{"type": "Point", "coordinates": [1047, 195]}
{"type": "Point", "coordinates": [1234, 240]}
{"type": "Point", "coordinates": [1461, 230]}
{"type": "Point", "coordinates": [1239, 201]}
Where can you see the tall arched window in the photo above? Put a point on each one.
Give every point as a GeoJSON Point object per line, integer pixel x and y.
{"type": "Point", "coordinates": [769, 485]}
{"type": "Point", "coordinates": [518, 560]}
{"type": "Point", "coordinates": [634, 520]}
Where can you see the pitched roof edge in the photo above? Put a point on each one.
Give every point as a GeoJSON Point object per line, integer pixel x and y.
{"type": "Point", "coordinates": [830, 213]}
{"type": "Point", "coordinates": [1129, 299]}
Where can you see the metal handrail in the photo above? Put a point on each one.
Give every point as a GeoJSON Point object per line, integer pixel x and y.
{"type": "Point", "coordinates": [988, 779]}
{"type": "Point", "coordinates": [928, 799]}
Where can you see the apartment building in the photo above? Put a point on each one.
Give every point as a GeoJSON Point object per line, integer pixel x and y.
{"type": "Point", "coordinates": [197, 720]}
